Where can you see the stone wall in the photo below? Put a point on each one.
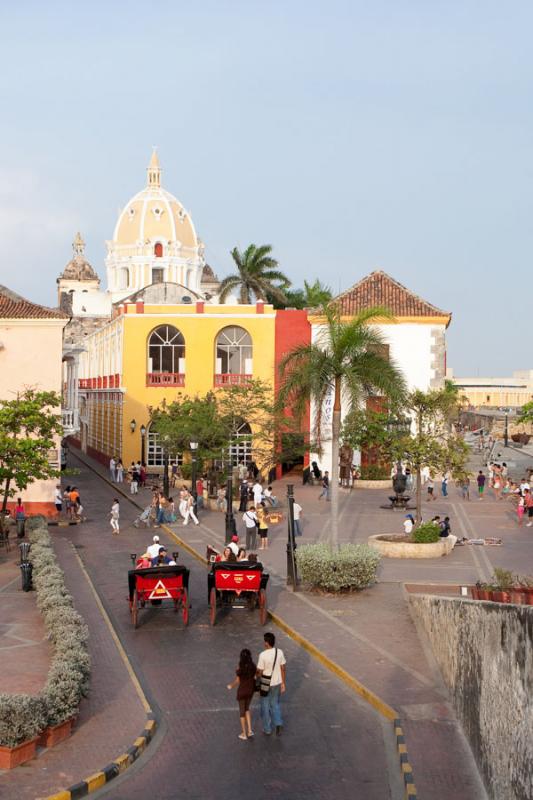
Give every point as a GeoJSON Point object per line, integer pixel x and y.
{"type": "Point", "coordinates": [485, 653]}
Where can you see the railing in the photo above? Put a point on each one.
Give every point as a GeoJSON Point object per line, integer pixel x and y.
{"type": "Point", "coordinates": [165, 379]}
{"type": "Point", "coordinates": [229, 379]}
{"type": "Point", "coordinates": [70, 421]}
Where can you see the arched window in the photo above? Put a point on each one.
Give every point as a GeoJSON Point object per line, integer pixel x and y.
{"type": "Point", "coordinates": [156, 454]}
{"type": "Point", "coordinates": [158, 250]}
{"type": "Point", "coordinates": [166, 357]}
{"type": "Point", "coordinates": [241, 445]}
{"type": "Point", "coordinates": [233, 356]}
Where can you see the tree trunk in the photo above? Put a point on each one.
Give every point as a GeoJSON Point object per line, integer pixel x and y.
{"type": "Point", "coordinates": [418, 496]}
{"type": "Point", "coordinates": [4, 506]}
{"type": "Point", "coordinates": [334, 477]}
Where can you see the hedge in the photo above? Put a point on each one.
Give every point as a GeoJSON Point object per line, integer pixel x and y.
{"type": "Point", "coordinates": [352, 566]}
{"type": "Point", "coordinates": [23, 717]}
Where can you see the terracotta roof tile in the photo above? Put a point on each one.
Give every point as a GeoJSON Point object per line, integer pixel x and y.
{"type": "Point", "coordinates": [379, 289]}
{"type": "Point", "coordinates": [13, 306]}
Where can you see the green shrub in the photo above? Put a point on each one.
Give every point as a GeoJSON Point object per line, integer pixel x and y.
{"type": "Point", "coordinates": [375, 472]}
{"type": "Point", "coordinates": [353, 566]}
{"type": "Point", "coordinates": [426, 533]}
{"type": "Point", "coordinates": [22, 717]}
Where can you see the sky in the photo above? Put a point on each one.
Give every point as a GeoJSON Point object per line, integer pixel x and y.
{"type": "Point", "coordinates": [351, 136]}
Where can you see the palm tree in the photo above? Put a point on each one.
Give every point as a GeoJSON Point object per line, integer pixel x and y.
{"type": "Point", "coordinates": [347, 361]}
{"type": "Point", "coordinates": [316, 294]}
{"type": "Point", "coordinates": [256, 275]}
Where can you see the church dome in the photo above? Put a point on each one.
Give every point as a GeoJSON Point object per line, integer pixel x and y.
{"type": "Point", "coordinates": [154, 215]}
{"type": "Point", "coordinates": [78, 268]}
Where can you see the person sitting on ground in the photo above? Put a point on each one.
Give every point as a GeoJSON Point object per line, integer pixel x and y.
{"type": "Point", "coordinates": [163, 559]}
{"type": "Point", "coordinates": [409, 524]}
{"type": "Point", "coordinates": [270, 497]}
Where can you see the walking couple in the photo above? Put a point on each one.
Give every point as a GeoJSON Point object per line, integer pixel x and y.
{"type": "Point", "coordinates": [270, 672]}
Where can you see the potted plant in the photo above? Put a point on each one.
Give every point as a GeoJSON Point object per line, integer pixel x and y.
{"type": "Point", "coordinates": [483, 590]}
{"type": "Point", "coordinates": [21, 719]}
{"type": "Point", "coordinates": [503, 580]}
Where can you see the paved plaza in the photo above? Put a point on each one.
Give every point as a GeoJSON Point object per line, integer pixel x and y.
{"type": "Point", "coordinates": [334, 743]}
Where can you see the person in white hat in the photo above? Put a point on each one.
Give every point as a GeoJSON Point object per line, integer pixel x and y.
{"type": "Point", "coordinates": [153, 549]}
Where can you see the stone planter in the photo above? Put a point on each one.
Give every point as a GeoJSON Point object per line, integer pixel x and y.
{"type": "Point", "coordinates": [11, 757]}
{"type": "Point", "coordinates": [402, 549]}
{"type": "Point", "coordinates": [54, 734]}
{"type": "Point", "coordinates": [384, 484]}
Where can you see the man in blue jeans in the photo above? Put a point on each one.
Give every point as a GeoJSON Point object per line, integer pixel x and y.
{"type": "Point", "coordinates": [272, 662]}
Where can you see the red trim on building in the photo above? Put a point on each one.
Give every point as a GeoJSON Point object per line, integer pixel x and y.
{"type": "Point", "coordinates": [139, 307]}
{"type": "Point", "coordinates": [260, 307]}
{"type": "Point", "coordinates": [292, 329]}
{"type": "Point", "coordinates": [199, 306]}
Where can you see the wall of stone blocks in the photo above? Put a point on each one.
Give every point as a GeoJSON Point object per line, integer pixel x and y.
{"type": "Point", "coordinates": [485, 653]}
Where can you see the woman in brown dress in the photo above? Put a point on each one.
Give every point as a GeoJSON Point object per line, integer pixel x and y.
{"type": "Point", "coordinates": [245, 681]}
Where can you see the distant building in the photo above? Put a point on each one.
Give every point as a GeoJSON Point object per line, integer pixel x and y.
{"type": "Point", "coordinates": [510, 392]}
{"type": "Point", "coordinates": [30, 356]}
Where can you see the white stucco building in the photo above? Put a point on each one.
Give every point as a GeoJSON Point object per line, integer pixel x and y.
{"type": "Point", "coordinates": [416, 339]}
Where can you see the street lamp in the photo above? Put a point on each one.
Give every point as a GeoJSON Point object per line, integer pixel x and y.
{"type": "Point", "coordinates": [231, 528]}
{"type": "Point", "coordinates": [506, 431]}
{"type": "Point", "coordinates": [166, 486]}
{"type": "Point", "coordinates": [143, 444]}
{"type": "Point", "coordinates": [133, 425]}
{"type": "Point", "coordinates": [292, 570]}
{"type": "Point", "coordinates": [194, 448]}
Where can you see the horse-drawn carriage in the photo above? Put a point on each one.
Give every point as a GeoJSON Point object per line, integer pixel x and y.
{"type": "Point", "coordinates": [237, 584]}
{"type": "Point", "coordinates": [155, 585]}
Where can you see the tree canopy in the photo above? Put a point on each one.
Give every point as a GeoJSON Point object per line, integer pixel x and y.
{"type": "Point", "coordinates": [258, 275]}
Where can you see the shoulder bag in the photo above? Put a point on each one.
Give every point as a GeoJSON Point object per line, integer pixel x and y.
{"type": "Point", "coordinates": [264, 680]}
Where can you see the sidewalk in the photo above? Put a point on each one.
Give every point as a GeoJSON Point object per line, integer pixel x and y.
{"type": "Point", "coordinates": [370, 635]}
{"type": "Point", "coordinates": [109, 720]}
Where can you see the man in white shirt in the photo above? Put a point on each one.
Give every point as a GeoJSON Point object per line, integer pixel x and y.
{"type": "Point", "coordinates": [250, 521]}
{"type": "Point", "coordinates": [297, 511]}
{"type": "Point", "coordinates": [153, 549]}
{"type": "Point", "coordinates": [272, 662]}
{"type": "Point", "coordinates": [257, 490]}
{"type": "Point", "coordinates": [112, 469]}
{"type": "Point", "coordinates": [523, 486]}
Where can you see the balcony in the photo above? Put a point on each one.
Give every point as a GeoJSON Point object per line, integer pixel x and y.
{"type": "Point", "coordinates": [229, 379]}
{"type": "Point", "coordinates": [165, 379]}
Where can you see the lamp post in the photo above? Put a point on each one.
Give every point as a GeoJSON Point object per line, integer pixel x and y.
{"type": "Point", "coordinates": [231, 528]}
{"type": "Point", "coordinates": [133, 425]}
{"type": "Point", "coordinates": [143, 444]}
{"type": "Point", "coordinates": [506, 431]}
{"type": "Point", "coordinates": [166, 486]}
{"type": "Point", "coordinates": [292, 570]}
{"type": "Point", "coordinates": [194, 448]}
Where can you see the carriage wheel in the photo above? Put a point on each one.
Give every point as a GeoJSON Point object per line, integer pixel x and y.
{"type": "Point", "coordinates": [134, 609]}
{"type": "Point", "coordinates": [213, 606]}
{"type": "Point", "coordinates": [185, 606]}
{"type": "Point", "coordinates": [262, 607]}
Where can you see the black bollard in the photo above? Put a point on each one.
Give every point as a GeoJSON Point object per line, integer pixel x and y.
{"type": "Point", "coordinates": [24, 550]}
{"type": "Point", "coordinates": [21, 531]}
{"type": "Point", "coordinates": [26, 569]}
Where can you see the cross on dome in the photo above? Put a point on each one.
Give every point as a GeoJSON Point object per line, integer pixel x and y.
{"type": "Point", "coordinates": [154, 170]}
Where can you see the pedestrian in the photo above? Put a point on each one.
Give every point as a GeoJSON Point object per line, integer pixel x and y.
{"type": "Point", "coordinates": [20, 518]}
{"type": "Point", "coordinates": [297, 515]}
{"type": "Point", "coordinates": [58, 499]}
{"type": "Point", "coordinates": [444, 485]}
{"type": "Point", "coordinates": [465, 487]}
{"type": "Point", "coordinates": [271, 668]}
{"type": "Point", "coordinates": [200, 492]}
{"type": "Point", "coordinates": [325, 486]}
{"type": "Point", "coordinates": [430, 489]}
{"type": "Point", "coordinates": [115, 516]}
{"type": "Point", "coordinates": [222, 503]}
{"type": "Point", "coordinates": [142, 475]}
{"type": "Point", "coordinates": [262, 518]}
{"type": "Point", "coordinates": [120, 471]}
{"type": "Point", "coordinates": [243, 496]}
{"type": "Point", "coordinates": [528, 505]}
{"type": "Point", "coordinates": [74, 499]}
{"type": "Point", "coordinates": [245, 681]}
{"type": "Point", "coordinates": [257, 490]}
{"type": "Point", "coordinates": [409, 524]}
{"type": "Point", "coordinates": [189, 510]}
{"type": "Point", "coordinates": [497, 481]}
{"type": "Point", "coordinates": [481, 480]}
{"type": "Point", "coordinates": [113, 468]}
{"type": "Point", "coordinates": [243, 472]}
{"type": "Point", "coordinates": [134, 479]}
{"type": "Point", "coordinates": [523, 486]}
{"type": "Point", "coordinates": [520, 510]}
{"type": "Point", "coordinates": [250, 523]}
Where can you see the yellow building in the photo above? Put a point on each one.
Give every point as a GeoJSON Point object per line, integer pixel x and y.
{"type": "Point", "coordinates": [151, 351]}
